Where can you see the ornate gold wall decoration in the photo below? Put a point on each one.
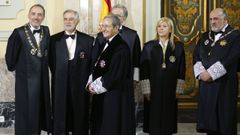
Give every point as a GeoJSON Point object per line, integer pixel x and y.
{"type": "Point", "coordinates": [232, 7]}
{"type": "Point", "coordinates": [186, 13]}
{"type": "Point", "coordinates": [189, 17]}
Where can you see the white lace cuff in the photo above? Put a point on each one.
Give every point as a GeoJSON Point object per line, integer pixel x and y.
{"type": "Point", "coordinates": [89, 80]}
{"type": "Point", "coordinates": [198, 68]}
{"type": "Point", "coordinates": [145, 86]}
{"type": "Point", "coordinates": [180, 86]}
{"type": "Point", "coordinates": [217, 70]}
{"type": "Point", "coordinates": [136, 74]}
{"type": "Point", "coordinates": [97, 86]}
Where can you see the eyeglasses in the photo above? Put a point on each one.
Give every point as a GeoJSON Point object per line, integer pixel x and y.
{"type": "Point", "coordinates": [119, 16]}
{"type": "Point", "coordinates": [106, 26]}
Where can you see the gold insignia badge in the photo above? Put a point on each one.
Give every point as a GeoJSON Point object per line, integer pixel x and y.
{"type": "Point", "coordinates": [33, 51]}
{"type": "Point", "coordinates": [206, 42]}
{"type": "Point", "coordinates": [172, 59]}
{"type": "Point", "coordinates": [223, 43]}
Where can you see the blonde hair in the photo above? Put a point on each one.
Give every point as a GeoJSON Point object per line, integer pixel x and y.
{"type": "Point", "coordinates": [171, 35]}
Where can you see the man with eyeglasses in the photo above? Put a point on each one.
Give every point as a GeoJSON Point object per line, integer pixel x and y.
{"type": "Point", "coordinates": [215, 60]}
{"type": "Point", "coordinates": [131, 37]}
{"type": "Point", "coordinates": [110, 82]}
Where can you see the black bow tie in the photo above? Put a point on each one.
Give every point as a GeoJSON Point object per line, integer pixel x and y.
{"type": "Point", "coordinates": [219, 32]}
{"type": "Point", "coordinates": [36, 31]}
{"type": "Point", "coordinates": [106, 41]}
{"type": "Point", "coordinates": [67, 36]}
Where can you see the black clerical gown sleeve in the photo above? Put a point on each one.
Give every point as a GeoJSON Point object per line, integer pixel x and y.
{"type": "Point", "coordinates": [196, 57]}
{"type": "Point", "coordinates": [145, 69]}
{"type": "Point", "coordinates": [13, 49]}
{"type": "Point", "coordinates": [136, 52]}
{"type": "Point", "coordinates": [51, 55]}
{"type": "Point", "coordinates": [180, 54]}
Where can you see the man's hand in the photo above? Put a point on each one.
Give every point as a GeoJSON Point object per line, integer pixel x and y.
{"type": "Point", "coordinates": [90, 89]}
{"type": "Point", "coordinates": [205, 76]}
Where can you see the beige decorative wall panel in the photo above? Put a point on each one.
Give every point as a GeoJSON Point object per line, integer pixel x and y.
{"type": "Point", "coordinates": [89, 11]}
{"type": "Point", "coordinates": [7, 83]}
{"type": "Point", "coordinates": [10, 9]}
{"type": "Point", "coordinates": [90, 14]}
{"type": "Point", "coordinates": [153, 14]}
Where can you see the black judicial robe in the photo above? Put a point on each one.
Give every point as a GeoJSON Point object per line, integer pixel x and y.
{"type": "Point", "coordinates": [160, 113]}
{"type": "Point", "coordinates": [132, 39]}
{"type": "Point", "coordinates": [217, 100]}
{"type": "Point", "coordinates": [110, 110]}
{"type": "Point", "coordinates": [32, 95]}
{"type": "Point", "coordinates": [79, 72]}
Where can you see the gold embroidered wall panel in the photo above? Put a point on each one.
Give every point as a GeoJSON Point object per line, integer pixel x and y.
{"type": "Point", "coordinates": [190, 18]}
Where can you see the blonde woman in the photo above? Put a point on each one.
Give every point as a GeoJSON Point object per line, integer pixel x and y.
{"type": "Point", "coordinates": [162, 64]}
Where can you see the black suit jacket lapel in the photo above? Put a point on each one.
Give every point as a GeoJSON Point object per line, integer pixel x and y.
{"type": "Point", "coordinates": [78, 44]}
{"type": "Point", "coordinates": [61, 47]}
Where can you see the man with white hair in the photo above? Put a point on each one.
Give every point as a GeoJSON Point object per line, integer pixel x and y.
{"type": "Point", "coordinates": [69, 61]}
